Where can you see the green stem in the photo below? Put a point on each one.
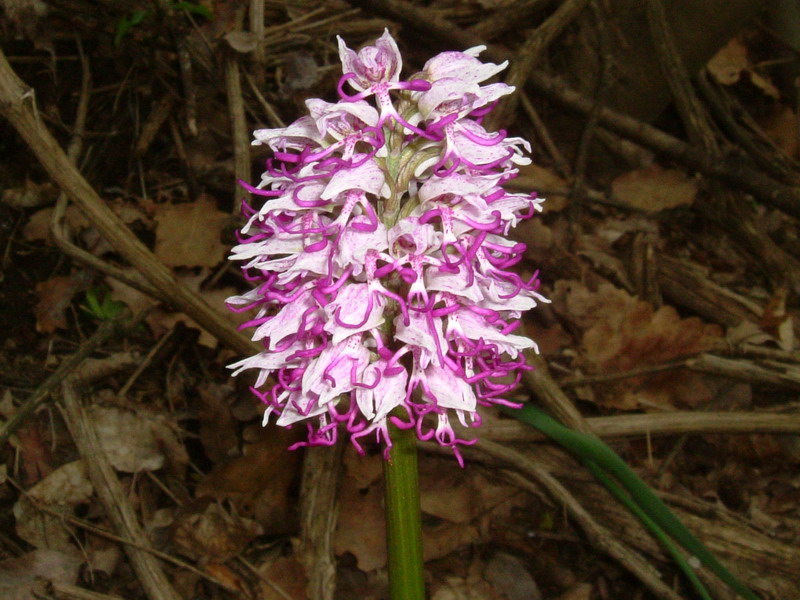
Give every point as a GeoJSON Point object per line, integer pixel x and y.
{"type": "Point", "coordinates": [403, 523]}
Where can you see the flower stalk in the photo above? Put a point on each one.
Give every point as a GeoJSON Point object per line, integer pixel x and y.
{"type": "Point", "coordinates": [403, 523]}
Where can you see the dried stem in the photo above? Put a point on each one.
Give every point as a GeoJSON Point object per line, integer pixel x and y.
{"type": "Point", "coordinates": [108, 489]}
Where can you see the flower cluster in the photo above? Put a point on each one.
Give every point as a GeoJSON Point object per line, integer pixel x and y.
{"type": "Point", "coordinates": [380, 256]}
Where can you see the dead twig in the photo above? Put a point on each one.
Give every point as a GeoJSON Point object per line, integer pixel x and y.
{"type": "Point", "coordinates": [152, 124]}
{"type": "Point", "coordinates": [239, 134]}
{"type": "Point", "coordinates": [602, 86]}
{"type": "Point", "coordinates": [64, 591]}
{"type": "Point", "coordinates": [189, 94]}
{"type": "Point", "coordinates": [99, 531]}
{"type": "Point", "coordinates": [729, 211]}
{"type": "Point", "coordinates": [730, 170]}
{"type": "Point", "coordinates": [16, 106]}
{"type": "Point", "coordinates": [273, 117]}
{"type": "Point", "coordinates": [508, 18]}
{"type": "Point", "coordinates": [32, 402]}
{"type": "Point", "coordinates": [108, 489]}
{"type": "Point", "coordinates": [550, 395]}
{"type": "Point", "coordinates": [318, 514]}
{"type": "Point", "coordinates": [256, 20]}
{"type": "Point", "coordinates": [560, 163]}
{"type": "Point", "coordinates": [58, 227]}
{"type": "Point", "coordinates": [657, 424]}
{"type": "Point", "coordinates": [529, 54]}
{"type": "Point", "coordinates": [782, 376]}
{"type": "Point", "coordinates": [600, 537]}
{"type": "Point", "coordinates": [687, 284]}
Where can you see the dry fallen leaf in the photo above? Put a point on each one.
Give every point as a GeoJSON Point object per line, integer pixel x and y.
{"type": "Point", "coordinates": [654, 189]}
{"type": "Point", "coordinates": [258, 482]}
{"type": "Point", "coordinates": [446, 493]}
{"type": "Point", "coordinates": [61, 490]}
{"type": "Point", "coordinates": [782, 127]}
{"type": "Point", "coordinates": [361, 528]}
{"type": "Point", "coordinates": [188, 235]}
{"type": "Point", "coordinates": [472, 585]}
{"type": "Point", "coordinates": [30, 194]}
{"type": "Point", "coordinates": [622, 333]}
{"type": "Point", "coordinates": [509, 576]}
{"type": "Point", "coordinates": [242, 41]}
{"type": "Point", "coordinates": [580, 591]}
{"type": "Point", "coordinates": [728, 64]}
{"type": "Point", "coordinates": [23, 577]}
{"type": "Point", "coordinates": [34, 443]}
{"type": "Point", "coordinates": [777, 322]}
{"type": "Point", "coordinates": [203, 530]}
{"type": "Point", "coordinates": [68, 484]}
{"type": "Point", "coordinates": [128, 439]}
{"type": "Point", "coordinates": [55, 296]}
{"type": "Point", "coordinates": [161, 320]}
{"type": "Point", "coordinates": [218, 429]}
{"type": "Point", "coordinates": [286, 574]}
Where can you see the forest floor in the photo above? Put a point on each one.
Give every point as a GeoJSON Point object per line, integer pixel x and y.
{"type": "Point", "coordinates": [133, 465]}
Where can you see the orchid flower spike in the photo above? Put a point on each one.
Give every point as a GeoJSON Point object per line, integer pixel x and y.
{"type": "Point", "coordinates": [377, 246]}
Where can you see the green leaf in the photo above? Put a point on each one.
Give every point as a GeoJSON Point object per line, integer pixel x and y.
{"type": "Point", "coordinates": [191, 7]}
{"type": "Point", "coordinates": [126, 24]}
{"type": "Point", "coordinates": [106, 309]}
{"type": "Point", "coordinates": [592, 450]}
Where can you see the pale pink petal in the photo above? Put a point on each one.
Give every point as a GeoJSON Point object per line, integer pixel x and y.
{"type": "Point", "coordinates": [390, 392]}
{"type": "Point", "coordinates": [351, 305]}
{"type": "Point", "coordinates": [449, 390]}
{"type": "Point", "coordinates": [354, 245]}
{"type": "Point", "coordinates": [331, 373]}
{"type": "Point", "coordinates": [461, 65]}
{"type": "Point", "coordinates": [367, 177]}
{"type": "Point", "coordinates": [286, 322]}
{"type": "Point", "coordinates": [296, 136]}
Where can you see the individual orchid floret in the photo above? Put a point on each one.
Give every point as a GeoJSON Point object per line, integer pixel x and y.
{"type": "Point", "coordinates": [374, 71]}
{"type": "Point", "coordinates": [373, 65]}
{"type": "Point", "coordinates": [384, 291]}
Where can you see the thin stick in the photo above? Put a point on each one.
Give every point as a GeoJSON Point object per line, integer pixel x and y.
{"type": "Point", "coordinates": [145, 363]}
{"type": "Point", "coordinates": [657, 424]}
{"type": "Point", "coordinates": [599, 536]}
{"type": "Point", "coordinates": [65, 591]}
{"type": "Point", "coordinates": [187, 78]}
{"type": "Point", "coordinates": [108, 489]}
{"type": "Point", "coordinates": [256, 22]}
{"type": "Point", "coordinates": [74, 149]}
{"type": "Point", "coordinates": [103, 334]}
{"type": "Point", "coordinates": [561, 164]}
{"type": "Point", "coordinates": [16, 106]}
{"type": "Point", "coordinates": [274, 118]}
{"type": "Point", "coordinates": [529, 54]}
{"type": "Point", "coordinates": [113, 537]}
{"type": "Point", "coordinates": [318, 514]}
{"type": "Point", "coordinates": [241, 142]}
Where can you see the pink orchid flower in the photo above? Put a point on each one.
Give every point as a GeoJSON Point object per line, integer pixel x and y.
{"type": "Point", "coordinates": [370, 316]}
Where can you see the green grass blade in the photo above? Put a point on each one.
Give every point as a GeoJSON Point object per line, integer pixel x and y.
{"type": "Point", "coordinates": [657, 532]}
